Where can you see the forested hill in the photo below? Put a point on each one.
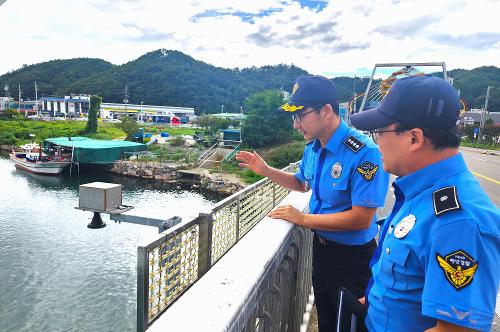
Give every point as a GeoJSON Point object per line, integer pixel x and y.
{"type": "Point", "coordinates": [51, 76]}
{"type": "Point", "coordinates": [172, 78]}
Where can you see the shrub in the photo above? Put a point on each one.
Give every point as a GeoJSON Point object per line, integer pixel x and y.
{"type": "Point", "coordinates": [283, 155]}
{"type": "Point", "coordinates": [177, 141]}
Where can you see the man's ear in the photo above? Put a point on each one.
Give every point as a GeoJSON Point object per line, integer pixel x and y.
{"type": "Point", "coordinates": [328, 109]}
{"type": "Point", "coordinates": [417, 139]}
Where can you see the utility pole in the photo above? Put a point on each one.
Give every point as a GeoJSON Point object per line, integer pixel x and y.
{"type": "Point", "coordinates": [36, 101]}
{"type": "Point", "coordinates": [483, 115]}
{"type": "Point", "coordinates": [125, 99]}
{"type": "Point", "coordinates": [7, 100]}
{"type": "Point", "coordinates": [19, 100]}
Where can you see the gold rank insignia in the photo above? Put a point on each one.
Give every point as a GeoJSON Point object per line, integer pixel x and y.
{"type": "Point", "coordinates": [367, 170]}
{"type": "Point", "coordinates": [458, 267]}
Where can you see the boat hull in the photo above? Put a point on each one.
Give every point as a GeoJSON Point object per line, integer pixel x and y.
{"type": "Point", "coordinates": [40, 167]}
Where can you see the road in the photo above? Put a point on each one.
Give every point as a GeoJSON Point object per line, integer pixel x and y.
{"type": "Point", "coordinates": [486, 169]}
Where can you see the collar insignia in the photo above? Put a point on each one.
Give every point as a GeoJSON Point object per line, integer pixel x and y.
{"type": "Point", "coordinates": [458, 267]}
{"type": "Point", "coordinates": [367, 170]}
{"type": "Point", "coordinates": [353, 143]}
{"type": "Point", "coordinates": [336, 170]}
{"type": "Point", "coordinates": [445, 199]}
{"type": "Point", "coordinates": [404, 226]}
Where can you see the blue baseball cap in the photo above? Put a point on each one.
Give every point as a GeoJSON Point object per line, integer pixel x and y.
{"type": "Point", "coordinates": [425, 101]}
{"type": "Point", "coordinates": [310, 91]}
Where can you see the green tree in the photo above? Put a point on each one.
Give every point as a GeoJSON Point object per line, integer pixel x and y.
{"type": "Point", "coordinates": [129, 126]}
{"type": "Point", "coordinates": [264, 126]}
{"type": "Point", "coordinates": [95, 105]}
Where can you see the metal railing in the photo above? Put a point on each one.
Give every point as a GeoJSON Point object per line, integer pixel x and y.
{"type": "Point", "coordinates": [279, 301]}
{"type": "Point", "coordinates": [168, 266]}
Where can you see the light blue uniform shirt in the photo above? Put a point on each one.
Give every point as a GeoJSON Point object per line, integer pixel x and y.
{"type": "Point", "coordinates": [447, 266]}
{"type": "Point", "coordinates": [347, 172]}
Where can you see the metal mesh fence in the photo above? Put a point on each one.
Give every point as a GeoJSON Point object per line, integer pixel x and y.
{"type": "Point", "coordinates": [171, 264]}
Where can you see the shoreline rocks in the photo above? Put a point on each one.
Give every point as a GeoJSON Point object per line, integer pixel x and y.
{"type": "Point", "coordinates": [168, 173]}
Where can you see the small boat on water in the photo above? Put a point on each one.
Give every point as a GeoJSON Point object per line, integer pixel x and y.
{"type": "Point", "coordinates": [34, 161]}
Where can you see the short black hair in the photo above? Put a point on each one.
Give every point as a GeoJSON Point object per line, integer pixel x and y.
{"type": "Point", "coordinates": [333, 103]}
{"type": "Point", "coordinates": [440, 138]}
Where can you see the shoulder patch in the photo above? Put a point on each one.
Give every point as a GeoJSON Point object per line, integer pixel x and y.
{"type": "Point", "coordinates": [458, 267]}
{"type": "Point", "coordinates": [367, 170]}
{"type": "Point", "coordinates": [445, 199]}
{"type": "Point", "coordinates": [353, 143]}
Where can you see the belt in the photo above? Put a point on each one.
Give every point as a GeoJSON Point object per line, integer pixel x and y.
{"type": "Point", "coordinates": [330, 243]}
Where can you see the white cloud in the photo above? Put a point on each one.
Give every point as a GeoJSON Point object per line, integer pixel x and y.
{"type": "Point", "coordinates": [346, 37]}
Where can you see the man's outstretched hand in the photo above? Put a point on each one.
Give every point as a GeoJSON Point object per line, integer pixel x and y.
{"type": "Point", "coordinates": [253, 161]}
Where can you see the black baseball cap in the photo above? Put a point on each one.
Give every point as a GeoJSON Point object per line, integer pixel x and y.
{"type": "Point", "coordinates": [310, 91]}
{"type": "Point", "coordinates": [425, 101]}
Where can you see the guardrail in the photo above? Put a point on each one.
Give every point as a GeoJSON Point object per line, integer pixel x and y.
{"type": "Point", "coordinates": [168, 266]}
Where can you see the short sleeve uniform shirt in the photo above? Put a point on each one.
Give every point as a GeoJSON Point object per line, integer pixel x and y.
{"type": "Point", "coordinates": [347, 172]}
{"type": "Point", "coordinates": [440, 258]}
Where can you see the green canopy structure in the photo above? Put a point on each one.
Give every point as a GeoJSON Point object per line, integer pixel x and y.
{"type": "Point", "coordinates": [92, 151]}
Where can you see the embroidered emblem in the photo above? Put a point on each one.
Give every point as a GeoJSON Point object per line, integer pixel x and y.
{"type": "Point", "coordinates": [291, 108]}
{"type": "Point", "coordinates": [458, 267]}
{"type": "Point", "coordinates": [336, 170]}
{"type": "Point", "coordinates": [404, 226]}
{"type": "Point", "coordinates": [445, 199]}
{"type": "Point", "coordinates": [353, 143]}
{"type": "Point", "coordinates": [367, 170]}
{"type": "Point", "coordinates": [461, 315]}
{"type": "Point", "coordinates": [295, 88]}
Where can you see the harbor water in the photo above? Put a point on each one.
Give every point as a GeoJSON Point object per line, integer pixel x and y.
{"type": "Point", "coordinates": [58, 275]}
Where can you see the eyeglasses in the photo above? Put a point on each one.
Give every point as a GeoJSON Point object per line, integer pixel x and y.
{"type": "Point", "coordinates": [377, 133]}
{"type": "Point", "coordinates": [298, 117]}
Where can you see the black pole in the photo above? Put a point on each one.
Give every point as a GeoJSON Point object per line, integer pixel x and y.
{"type": "Point", "coordinates": [96, 221]}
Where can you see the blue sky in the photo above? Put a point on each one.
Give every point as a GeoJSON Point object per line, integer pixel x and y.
{"type": "Point", "coordinates": [332, 38]}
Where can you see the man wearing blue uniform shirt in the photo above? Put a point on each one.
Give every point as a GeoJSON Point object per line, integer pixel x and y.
{"type": "Point", "coordinates": [438, 263]}
{"type": "Point", "coordinates": [342, 167]}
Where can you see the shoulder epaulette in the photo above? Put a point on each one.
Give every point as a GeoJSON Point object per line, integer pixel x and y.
{"type": "Point", "coordinates": [445, 200]}
{"type": "Point", "coordinates": [353, 143]}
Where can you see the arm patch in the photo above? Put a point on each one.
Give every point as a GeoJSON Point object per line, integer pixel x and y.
{"type": "Point", "coordinates": [353, 143]}
{"type": "Point", "coordinates": [445, 199]}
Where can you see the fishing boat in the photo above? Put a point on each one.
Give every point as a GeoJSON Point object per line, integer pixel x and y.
{"type": "Point", "coordinates": [35, 161]}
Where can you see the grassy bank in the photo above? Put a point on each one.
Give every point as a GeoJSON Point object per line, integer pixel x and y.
{"type": "Point", "coordinates": [278, 157]}
{"type": "Point", "coordinates": [485, 146]}
{"type": "Point", "coordinates": [17, 132]}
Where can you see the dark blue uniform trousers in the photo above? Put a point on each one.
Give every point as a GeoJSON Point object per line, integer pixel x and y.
{"type": "Point", "coordinates": [337, 265]}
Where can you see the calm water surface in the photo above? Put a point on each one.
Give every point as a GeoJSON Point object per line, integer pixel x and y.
{"type": "Point", "coordinates": [58, 275]}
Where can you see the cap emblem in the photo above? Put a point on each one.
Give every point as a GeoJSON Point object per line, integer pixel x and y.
{"type": "Point", "coordinates": [291, 108]}
{"type": "Point", "coordinates": [295, 88]}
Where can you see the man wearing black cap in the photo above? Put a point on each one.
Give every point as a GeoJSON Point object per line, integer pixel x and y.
{"type": "Point", "coordinates": [437, 264]}
{"type": "Point", "coordinates": [342, 168]}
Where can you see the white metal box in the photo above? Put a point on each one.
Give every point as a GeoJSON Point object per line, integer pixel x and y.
{"type": "Point", "coordinates": [100, 196]}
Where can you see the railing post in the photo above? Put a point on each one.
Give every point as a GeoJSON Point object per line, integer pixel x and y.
{"type": "Point", "coordinates": [204, 243]}
{"type": "Point", "coordinates": [142, 289]}
{"type": "Point", "coordinates": [274, 193]}
{"type": "Point", "coordinates": [238, 218]}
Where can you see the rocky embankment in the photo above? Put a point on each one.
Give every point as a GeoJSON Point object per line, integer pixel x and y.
{"type": "Point", "coordinates": [151, 170]}
{"type": "Point", "coordinates": [224, 184]}
{"type": "Point", "coordinates": [168, 172]}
